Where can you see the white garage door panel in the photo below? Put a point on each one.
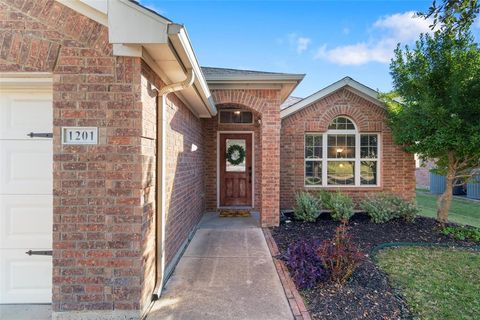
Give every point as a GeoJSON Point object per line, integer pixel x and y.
{"type": "Point", "coordinates": [26, 201]}
{"type": "Point", "coordinates": [22, 113]}
{"type": "Point", "coordinates": [24, 222]}
{"type": "Point", "coordinates": [25, 278]}
{"type": "Point", "coordinates": [26, 167]}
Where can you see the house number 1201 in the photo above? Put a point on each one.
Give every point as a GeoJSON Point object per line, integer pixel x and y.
{"type": "Point", "coordinates": [79, 135]}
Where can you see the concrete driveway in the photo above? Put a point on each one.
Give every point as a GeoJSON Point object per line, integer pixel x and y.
{"type": "Point", "coordinates": [226, 273]}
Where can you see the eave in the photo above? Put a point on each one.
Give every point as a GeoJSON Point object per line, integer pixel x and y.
{"type": "Point", "coordinates": [286, 83]}
{"type": "Point", "coordinates": [136, 31]}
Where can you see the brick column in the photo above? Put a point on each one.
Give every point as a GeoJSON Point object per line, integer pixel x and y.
{"type": "Point", "coordinates": [270, 215]}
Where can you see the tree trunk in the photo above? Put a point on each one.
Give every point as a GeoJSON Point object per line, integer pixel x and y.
{"type": "Point", "coordinates": [445, 200]}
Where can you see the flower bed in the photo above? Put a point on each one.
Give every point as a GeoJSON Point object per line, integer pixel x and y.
{"type": "Point", "coordinates": [368, 294]}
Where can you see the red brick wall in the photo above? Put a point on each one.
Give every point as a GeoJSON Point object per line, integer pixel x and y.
{"type": "Point", "coordinates": [103, 194]}
{"type": "Point", "coordinates": [185, 179]}
{"type": "Point", "coordinates": [266, 106]}
{"type": "Point", "coordinates": [185, 186]}
{"type": "Point", "coordinates": [397, 170]}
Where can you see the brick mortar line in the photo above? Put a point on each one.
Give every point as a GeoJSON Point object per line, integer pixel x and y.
{"type": "Point", "coordinates": [295, 301]}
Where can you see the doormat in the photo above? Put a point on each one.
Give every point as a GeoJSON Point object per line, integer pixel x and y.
{"type": "Point", "coordinates": [234, 213]}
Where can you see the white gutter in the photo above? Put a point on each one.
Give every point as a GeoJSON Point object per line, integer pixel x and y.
{"type": "Point", "coordinates": [181, 42]}
{"type": "Point", "coordinates": [161, 170]}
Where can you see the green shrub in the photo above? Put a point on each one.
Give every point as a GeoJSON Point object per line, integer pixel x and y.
{"type": "Point", "coordinates": [326, 199]}
{"type": "Point", "coordinates": [408, 211]}
{"type": "Point", "coordinates": [341, 206]}
{"type": "Point", "coordinates": [307, 207]}
{"type": "Point", "coordinates": [462, 233]}
{"type": "Point", "coordinates": [378, 208]}
{"type": "Point", "coordinates": [384, 207]}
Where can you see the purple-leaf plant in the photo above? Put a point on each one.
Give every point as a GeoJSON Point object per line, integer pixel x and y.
{"type": "Point", "coordinates": [304, 264]}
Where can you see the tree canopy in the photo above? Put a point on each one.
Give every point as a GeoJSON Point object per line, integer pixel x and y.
{"type": "Point", "coordinates": [438, 116]}
{"type": "Point", "coordinates": [453, 15]}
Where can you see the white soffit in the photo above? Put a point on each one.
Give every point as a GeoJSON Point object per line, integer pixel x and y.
{"type": "Point", "coordinates": [347, 83]}
{"type": "Point", "coordinates": [129, 23]}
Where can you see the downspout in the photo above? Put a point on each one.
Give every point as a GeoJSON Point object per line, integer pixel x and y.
{"type": "Point", "coordinates": [161, 169]}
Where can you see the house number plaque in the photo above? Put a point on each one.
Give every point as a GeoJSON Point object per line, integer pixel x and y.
{"type": "Point", "coordinates": [79, 135]}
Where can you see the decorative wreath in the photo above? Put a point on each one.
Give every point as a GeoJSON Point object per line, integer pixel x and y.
{"type": "Point", "coordinates": [235, 154]}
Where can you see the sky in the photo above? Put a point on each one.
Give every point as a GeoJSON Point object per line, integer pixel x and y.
{"type": "Point", "coordinates": [326, 40]}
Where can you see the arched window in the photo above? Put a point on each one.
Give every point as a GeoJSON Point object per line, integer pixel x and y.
{"type": "Point", "coordinates": [341, 156]}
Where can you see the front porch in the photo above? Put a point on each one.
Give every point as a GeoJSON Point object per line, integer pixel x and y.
{"type": "Point", "coordinates": [250, 181]}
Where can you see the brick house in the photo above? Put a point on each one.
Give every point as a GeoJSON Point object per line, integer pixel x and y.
{"type": "Point", "coordinates": [114, 142]}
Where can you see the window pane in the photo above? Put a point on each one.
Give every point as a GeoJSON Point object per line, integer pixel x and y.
{"type": "Point", "coordinates": [235, 155]}
{"type": "Point", "coordinates": [313, 173]}
{"type": "Point", "coordinates": [341, 172]}
{"type": "Point", "coordinates": [368, 173]}
{"type": "Point", "coordinates": [235, 116]}
{"type": "Point", "coordinates": [247, 117]}
{"type": "Point", "coordinates": [368, 146]}
{"type": "Point", "coordinates": [341, 123]}
{"type": "Point", "coordinates": [341, 146]}
{"type": "Point", "coordinates": [364, 140]}
{"type": "Point", "coordinates": [313, 146]}
{"type": "Point", "coordinates": [308, 140]}
{"type": "Point", "coordinates": [308, 152]}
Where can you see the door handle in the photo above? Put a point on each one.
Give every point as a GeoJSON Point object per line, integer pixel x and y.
{"type": "Point", "coordinates": [40, 135]}
{"type": "Point", "coordinates": [39, 253]}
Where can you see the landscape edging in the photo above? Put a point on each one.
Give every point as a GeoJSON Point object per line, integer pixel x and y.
{"type": "Point", "coordinates": [295, 300]}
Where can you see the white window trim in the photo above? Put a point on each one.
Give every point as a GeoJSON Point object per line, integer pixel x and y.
{"type": "Point", "coordinates": [357, 159]}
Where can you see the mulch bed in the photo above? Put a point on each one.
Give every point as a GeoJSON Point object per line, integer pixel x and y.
{"type": "Point", "coordinates": [367, 295]}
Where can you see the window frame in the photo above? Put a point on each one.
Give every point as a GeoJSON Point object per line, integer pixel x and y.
{"type": "Point", "coordinates": [357, 160]}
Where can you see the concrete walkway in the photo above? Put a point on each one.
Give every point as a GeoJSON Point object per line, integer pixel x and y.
{"type": "Point", "coordinates": [25, 312]}
{"type": "Point", "coordinates": [226, 273]}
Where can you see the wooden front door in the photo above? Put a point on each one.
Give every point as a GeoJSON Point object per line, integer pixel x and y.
{"type": "Point", "coordinates": [236, 178]}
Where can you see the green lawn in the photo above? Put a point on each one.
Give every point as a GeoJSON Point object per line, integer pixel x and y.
{"type": "Point", "coordinates": [462, 211]}
{"type": "Point", "coordinates": [436, 283]}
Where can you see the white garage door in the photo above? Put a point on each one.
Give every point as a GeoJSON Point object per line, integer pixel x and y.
{"type": "Point", "coordinates": [25, 196]}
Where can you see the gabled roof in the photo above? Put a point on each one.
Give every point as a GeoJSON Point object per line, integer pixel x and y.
{"type": "Point", "coordinates": [226, 78]}
{"type": "Point", "coordinates": [213, 73]}
{"type": "Point", "coordinates": [290, 100]}
{"type": "Point", "coordinates": [347, 83]}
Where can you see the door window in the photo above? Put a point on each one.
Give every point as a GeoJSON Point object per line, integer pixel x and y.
{"type": "Point", "coordinates": [235, 155]}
